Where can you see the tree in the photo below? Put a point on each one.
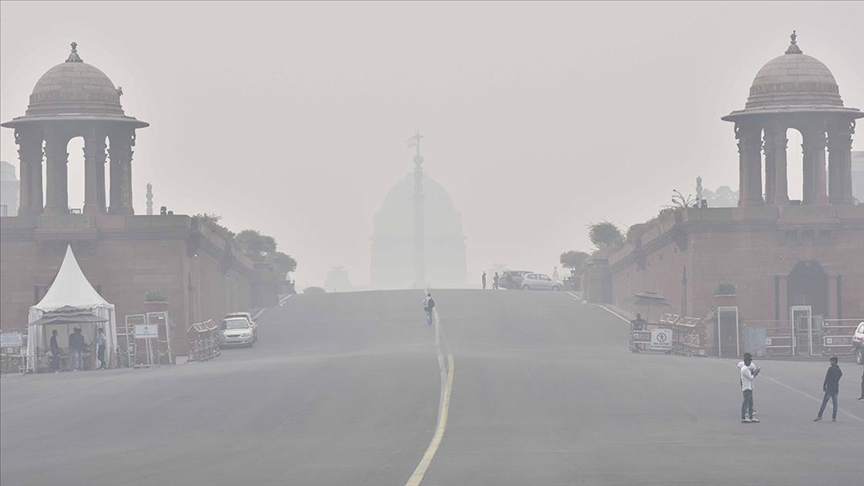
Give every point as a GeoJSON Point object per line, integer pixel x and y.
{"type": "Point", "coordinates": [605, 234]}
{"type": "Point", "coordinates": [212, 220]}
{"type": "Point", "coordinates": [679, 201]}
{"type": "Point", "coordinates": [574, 261]}
{"type": "Point", "coordinates": [282, 264]}
{"type": "Point", "coordinates": [255, 245]}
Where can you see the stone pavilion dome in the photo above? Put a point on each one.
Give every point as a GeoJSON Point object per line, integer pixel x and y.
{"type": "Point", "coordinates": [793, 83]}
{"type": "Point", "coordinates": [75, 87]}
{"type": "Point", "coordinates": [794, 79]}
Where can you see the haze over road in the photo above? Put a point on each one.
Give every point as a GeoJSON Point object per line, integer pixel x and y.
{"type": "Point", "coordinates": [345, 388]}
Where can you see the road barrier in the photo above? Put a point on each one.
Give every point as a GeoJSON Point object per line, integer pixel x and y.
{"type": "Point", "coordinates": [837, 337]}
{"type": "Point", "coordinates": [203, 341]}
{"type": "Point", "coordinates": [672, 334]}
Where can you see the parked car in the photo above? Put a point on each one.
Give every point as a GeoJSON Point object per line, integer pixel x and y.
{"type": "Point", "coordinates": [249, 318]}
{"type": "Point", "coordinates": [512, 279]}
{"type": "Point", "coordinates": [538, 281]}
{"type": "Point", "coordinates": [858, 343]}
{"type": "Point", "coordinates": [236, 331]}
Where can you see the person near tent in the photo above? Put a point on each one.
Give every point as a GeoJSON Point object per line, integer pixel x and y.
{"type": "Point", "coordinates": [71, 301]}
{"type": "Point", "coordinates": [101, 341]}
{"type": "Point", "coordinates": [77, 345]}
{"type": "Point", "coordinates": [55, 353]}
{"type": "Point", "coordinates": [495, 281]}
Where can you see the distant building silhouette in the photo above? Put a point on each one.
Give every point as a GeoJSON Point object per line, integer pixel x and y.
{"type": "Point", "coordinates": [393, 238]}
{"type": "Point", "coordinates": [9, 187]}
{"type": "Point", "coordinates": [337, 280]}
{"type": "Point", "coordinates": [858, 175]}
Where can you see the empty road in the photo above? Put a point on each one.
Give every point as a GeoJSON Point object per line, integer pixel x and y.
{"type": "Point", "coordinates": [347, 388]}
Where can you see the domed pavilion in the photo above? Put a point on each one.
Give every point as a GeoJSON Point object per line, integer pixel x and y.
{"type": "Point", "coordinates": [795, 91]}
{"type": "Point", "coordinates": [75, 99]}
{"type": "Point", "coordinates": [794, 267]}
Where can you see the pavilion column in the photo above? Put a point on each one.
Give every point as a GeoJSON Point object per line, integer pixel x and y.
{"type": "Point", "coordinates": [749, 137]}
{"type": "Point", "coordinates": [813, 146]}
{"type": "Point", "coordinates": [780, 180]}
{"type": "Point", "coordinates": [56, 162]}
{"type": "Point", "coordinates": [94, 160]}
{"type": "Point", "coordinates": [101, 158]}
{"type": "Point", "coordinates": [120, 152]}
{"type": "Point", "coordinates": [29, 142]}
{"type": "Point", "coordinates": [840, 162]}
{"type": "Point", "coordinates": [770, 164]}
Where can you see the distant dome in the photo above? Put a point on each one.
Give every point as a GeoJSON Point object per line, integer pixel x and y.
{"type": "Point", "coordinates": [393, 238]}
{"type": "Point", "coordinates": [74, 87]}
{"type": "Point", "coordinates": [794, 79]}
{"type": "Point", "coordinates": [396, 217]}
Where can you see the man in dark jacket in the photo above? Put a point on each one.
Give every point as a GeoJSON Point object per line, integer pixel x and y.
{"type": "Point", "coordinates": [55, 353]}
{"type": "Point", "coordinates": [831, 387]}
{"type": "Point", "coordinates": [77, 345]}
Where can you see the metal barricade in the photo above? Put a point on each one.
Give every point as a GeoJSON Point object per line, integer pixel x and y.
{"type": "Point", "coordinates": [685, 336]}
{"type": "Point", "coordinates": [203, 341]}
{"type": "Point", "coordinates": [837, 336]}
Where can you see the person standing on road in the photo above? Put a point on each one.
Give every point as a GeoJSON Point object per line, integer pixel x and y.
{"type": "Point", "coordinates": [101, 342]}
{"type": "Point", "coordinates": [752, 370]}
{"type": "Point", "coordinates": [484, 280]}
{"type": "Point", "coordinates": [747, 378]}
{"type": "Point", "coordinates": [831, 387]}
{"type": "Point", "coordinates": [55, 353]}
{"type": "Point", "coordinates": [495, 281]}
{"type": "Point", "coordinates": [429, 308]}
{"type": "Point", "coordinates": [76, 345]}
{"type": "Point", "coordinates": [862, 387]}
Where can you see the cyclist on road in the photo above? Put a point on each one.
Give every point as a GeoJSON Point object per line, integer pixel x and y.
{"type": "Point", "coordinates": [429, 308]}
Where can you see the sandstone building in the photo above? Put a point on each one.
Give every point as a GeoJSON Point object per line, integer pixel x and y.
{"type": "Point", "coordinates": [124, 255]}
{"type": "Point", "coordinates": [783, 256]}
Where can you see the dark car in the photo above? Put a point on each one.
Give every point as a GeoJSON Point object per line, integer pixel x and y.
{"type": "Point", "coordinates": [512, 279]}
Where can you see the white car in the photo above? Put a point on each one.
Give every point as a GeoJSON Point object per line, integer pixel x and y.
{"type": "Point", "coordinates": [236, 331]}
{"type": "Point", "coordinates": [538, 281]}
{"type": "Point", "coordinates": [248, 317]}
{"type": "Point", "coordinates": [858, 343]}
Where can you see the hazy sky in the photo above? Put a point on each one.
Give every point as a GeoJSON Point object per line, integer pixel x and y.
{"type": "Point", "coordinates": [291, 118]}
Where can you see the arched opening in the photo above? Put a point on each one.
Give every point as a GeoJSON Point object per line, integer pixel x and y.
{"type": "Point", "coordinates": [807, 295]}
{"type": "Point", "coordinates": [75, 174]}
{"type": "Point", "coordinates": [807, 284]}
{"type": "Point", "coordinates": [795, 165]}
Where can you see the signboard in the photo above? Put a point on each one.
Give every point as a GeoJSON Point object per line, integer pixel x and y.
{"type": "Point", "coordinates": [661, 339]}
{"type": "Point", "coordinates": [146, 331]}
{"type": "Point", "coordinates": [11, 339]}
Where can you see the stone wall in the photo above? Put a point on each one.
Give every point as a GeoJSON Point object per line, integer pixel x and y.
{"type": "Point", "coordinates": [202, 276]}
{"type": "Point", "coordinates": [754, 248]}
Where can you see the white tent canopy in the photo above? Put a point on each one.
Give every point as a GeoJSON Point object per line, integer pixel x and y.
{"type": "Point", "coordinates": [70, 288]}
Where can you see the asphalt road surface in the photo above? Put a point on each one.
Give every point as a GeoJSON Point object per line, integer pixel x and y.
{"type": "Point", "coordinates": [347, 388]}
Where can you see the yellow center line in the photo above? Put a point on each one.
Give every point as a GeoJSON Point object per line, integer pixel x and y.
{"type": "Point", "coordinates": [417, 477]}
{"type": "Point", "coordinates": [443, 410]}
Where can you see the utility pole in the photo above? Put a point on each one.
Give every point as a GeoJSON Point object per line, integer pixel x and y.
{"type": "Point", "coordinates": [419, 223]}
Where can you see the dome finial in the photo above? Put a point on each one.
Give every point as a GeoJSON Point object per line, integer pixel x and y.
{"type": "Point", "coordinates": [73, 56]}
{"type": "Point", "coordinates": [793, 47]}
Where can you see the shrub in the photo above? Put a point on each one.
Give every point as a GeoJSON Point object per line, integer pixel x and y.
{"type": "Point", "coordinates": [725, 288]}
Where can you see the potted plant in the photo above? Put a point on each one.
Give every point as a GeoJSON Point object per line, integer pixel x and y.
{"type": "Point", "coordinates": [155, 301]}
{"type": "Point", "coordinates": [725, 294]}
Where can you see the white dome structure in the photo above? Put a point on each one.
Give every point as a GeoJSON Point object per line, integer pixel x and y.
{"type": "Point", "coordinates": [393, 238]}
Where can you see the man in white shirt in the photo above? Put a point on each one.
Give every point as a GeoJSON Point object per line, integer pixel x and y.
{"type": "Point", "coordinates": [753, 369]}
{"type": "Point", "coordinates": [747, 378]}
